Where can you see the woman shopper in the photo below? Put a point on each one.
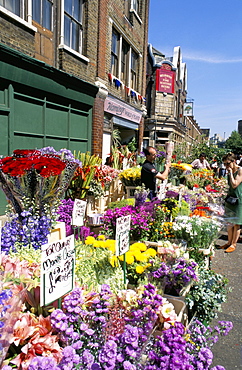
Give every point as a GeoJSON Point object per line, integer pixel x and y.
{"type": "Point", "coordinates": [233, 211]}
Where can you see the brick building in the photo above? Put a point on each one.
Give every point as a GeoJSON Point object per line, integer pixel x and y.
{"type": "Point", "coordinates": [166, 94]}
{"type": "Point", "coordinates": [71, 71]}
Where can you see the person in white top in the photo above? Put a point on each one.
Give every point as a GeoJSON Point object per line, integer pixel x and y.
{"type": "Point", "coordinates": [201, 163]}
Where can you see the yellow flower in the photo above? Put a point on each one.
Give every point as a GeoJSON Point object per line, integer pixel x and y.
{"type": "Point", "coordinates": [89, 240]}
{"type": "Point", "coordinates": [101, 237]}
{"type": "Point", "coordinates": [141, 246]}
{"type": "Point", "coordinates": [113, 261]}
{"type": "Point", "coordinates": [129, 258]}
{"type": "Point", "coordinates": [142, 257]}
{"type": "Point", "coordinates": [151, 252]}
{"type": "Point", "coordinates": [139, 269]}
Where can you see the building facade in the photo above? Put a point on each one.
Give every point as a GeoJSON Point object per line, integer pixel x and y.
{"type": "Point", "coordinates": [72, 71]}
{"type": "Point", "coordinates": [169, 117]}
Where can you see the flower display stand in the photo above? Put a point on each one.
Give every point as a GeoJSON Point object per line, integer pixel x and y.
{"type": "Point", "coordinates": [129, 190]}
{"type": "Point", "coordinates": [58, 232]}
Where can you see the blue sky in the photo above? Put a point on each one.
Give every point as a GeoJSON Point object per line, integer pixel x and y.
{"type": "Point", "coordinates": [209, 33]}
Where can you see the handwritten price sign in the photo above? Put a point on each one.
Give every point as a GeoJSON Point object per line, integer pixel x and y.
{"type": "Point", "coordinates": [122, 234]}
{"type": "Point", "coordinates": [57, 269]}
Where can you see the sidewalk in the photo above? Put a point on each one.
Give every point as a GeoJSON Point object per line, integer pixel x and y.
{"type": "Point", "coordinates": [228, 350]}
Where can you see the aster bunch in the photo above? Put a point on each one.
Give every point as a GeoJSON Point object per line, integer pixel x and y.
{"type": "Point", "coordinates": [201, 338]}
{"type": "Point", "coordinates": [139, 225]}
{"type": "Point", "coordinates": [171, 277]}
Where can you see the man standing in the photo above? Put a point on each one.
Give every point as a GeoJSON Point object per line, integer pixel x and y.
{"type": "Point", "coordinates": [149, 174]}
{"type": "Point", "coordinates": [201, 163]}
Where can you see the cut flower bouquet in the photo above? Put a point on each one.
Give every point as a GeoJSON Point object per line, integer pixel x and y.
{"type": "Point", "coordinates": [34, 181]}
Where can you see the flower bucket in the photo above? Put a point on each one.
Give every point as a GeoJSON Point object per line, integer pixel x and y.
{"type": "Point", "coordinates": [180, 308]}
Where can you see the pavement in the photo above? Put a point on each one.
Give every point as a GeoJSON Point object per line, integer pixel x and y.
{"type": "Point", "coordinates": [228, 350]}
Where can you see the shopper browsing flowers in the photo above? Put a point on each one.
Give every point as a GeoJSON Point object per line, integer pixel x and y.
{"type": "Point", "coordinates": [233, 202]}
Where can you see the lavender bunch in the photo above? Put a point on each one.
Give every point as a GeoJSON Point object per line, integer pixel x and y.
{"type": "Point", "coordinates": [201, 338]}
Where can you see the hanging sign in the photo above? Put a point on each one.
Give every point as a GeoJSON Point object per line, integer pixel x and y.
{"type": "Point", "coordinates": [122, 234]}
{"type": "Point", "coordinates": [165, 81]}
{"type": "Point", "coordinates": [57, 269]}
{"type": "Point", "coordinates": [78, 212]}
{"type": "Point", "coordinates": [188, 109]}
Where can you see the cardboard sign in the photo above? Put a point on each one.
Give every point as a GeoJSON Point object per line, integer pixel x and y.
{"type": "Point", "coordinates": [122, 234]}
{"type": "Point", "coordinates": [78, 212]}
{"type": "Point", "coordinates": [57, 269]}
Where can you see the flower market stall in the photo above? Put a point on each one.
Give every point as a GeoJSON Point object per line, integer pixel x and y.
{"type": "Point", "coordinates": [136, 294]}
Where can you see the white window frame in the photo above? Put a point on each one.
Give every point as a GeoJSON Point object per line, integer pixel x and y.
{"type": "Point", "coordinates": [62, 43]}
{"type": "Point", "coordinates": [27, 23]}
{"type": "Point", "coordinates": [131, 48]}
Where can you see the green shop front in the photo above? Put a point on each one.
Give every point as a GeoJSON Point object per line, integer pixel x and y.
{"type": "Point", "coordinates": [42, 106]}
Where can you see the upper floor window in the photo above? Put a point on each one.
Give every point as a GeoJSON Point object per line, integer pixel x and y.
{"type": "Point", "coordinates": [14, 6]}
{"type": "Point", "coordinates": [42, 12]}
{"type": "Point", "coordinates": [124, 61]}
{"type": "Point", "coordinates": [133, 70]}
{"type": "Point", "coordinates": [135, 5]}
{"type": "Point", "coordinates": [115, 53]}
{"type": "Point", "coordinates": [73, 11]}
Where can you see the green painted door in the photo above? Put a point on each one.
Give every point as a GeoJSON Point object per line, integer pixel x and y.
{"type": "Point", "coordinates": [28, 122]}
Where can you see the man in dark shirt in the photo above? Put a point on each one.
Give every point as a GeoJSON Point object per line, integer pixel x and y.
{"type": "Point", "coordinates": [149, 174]}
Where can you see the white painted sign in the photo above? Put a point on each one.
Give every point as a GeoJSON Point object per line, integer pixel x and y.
{"type": "Point", "coordinates": [122, 234]}
{"type": "Point", "coordinates": [57, 269]}
{"type": "Point", "coordinates": [78, 213]}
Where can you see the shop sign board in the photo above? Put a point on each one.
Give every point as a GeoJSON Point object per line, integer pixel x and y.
{"type": "Point", "coordinates": [117, 108]}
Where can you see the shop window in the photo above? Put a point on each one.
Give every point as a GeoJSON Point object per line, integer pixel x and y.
{"type": "Point", "coordinates": [73, 27]}
{"type": "Point", "coordinates": [42, 12]}
{"type": "Point", "coordinates": [14, 6]}
{"type": "Point", "coordinates": [124, 61]}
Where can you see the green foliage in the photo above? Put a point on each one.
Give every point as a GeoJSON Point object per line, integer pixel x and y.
{"type": "Point", "coordinates": [210, 152]}
{"type": "Point", "coordinates": [207, 295]}
{"type": "Point", "coordinates": [234, 143]}
{"type": "Point", "coordinates": [121, 203]}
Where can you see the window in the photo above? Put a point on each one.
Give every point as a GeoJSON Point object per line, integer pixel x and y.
{"type": "Point", "coordinates": [42, 12]}
{"type": "Point", "coordinates": [114, 53]}
{"type": "Point", "coordinates": [135, 5]}
{"type": "Point", "coordinates": [73, 10]}
{"type": "Point", "coordinates": [133, 68]}
{"type": "Point", "coordinates": [14, 6]}
{"type": "Point", "coordinates": [124, 61]}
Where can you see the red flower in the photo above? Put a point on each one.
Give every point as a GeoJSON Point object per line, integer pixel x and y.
{"type": "Point", "coordinates": [16, 166]}
{"type": "Point", "coordinates": [48, 166]}
{"type": "Point", "coordinates": [25, 152]}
